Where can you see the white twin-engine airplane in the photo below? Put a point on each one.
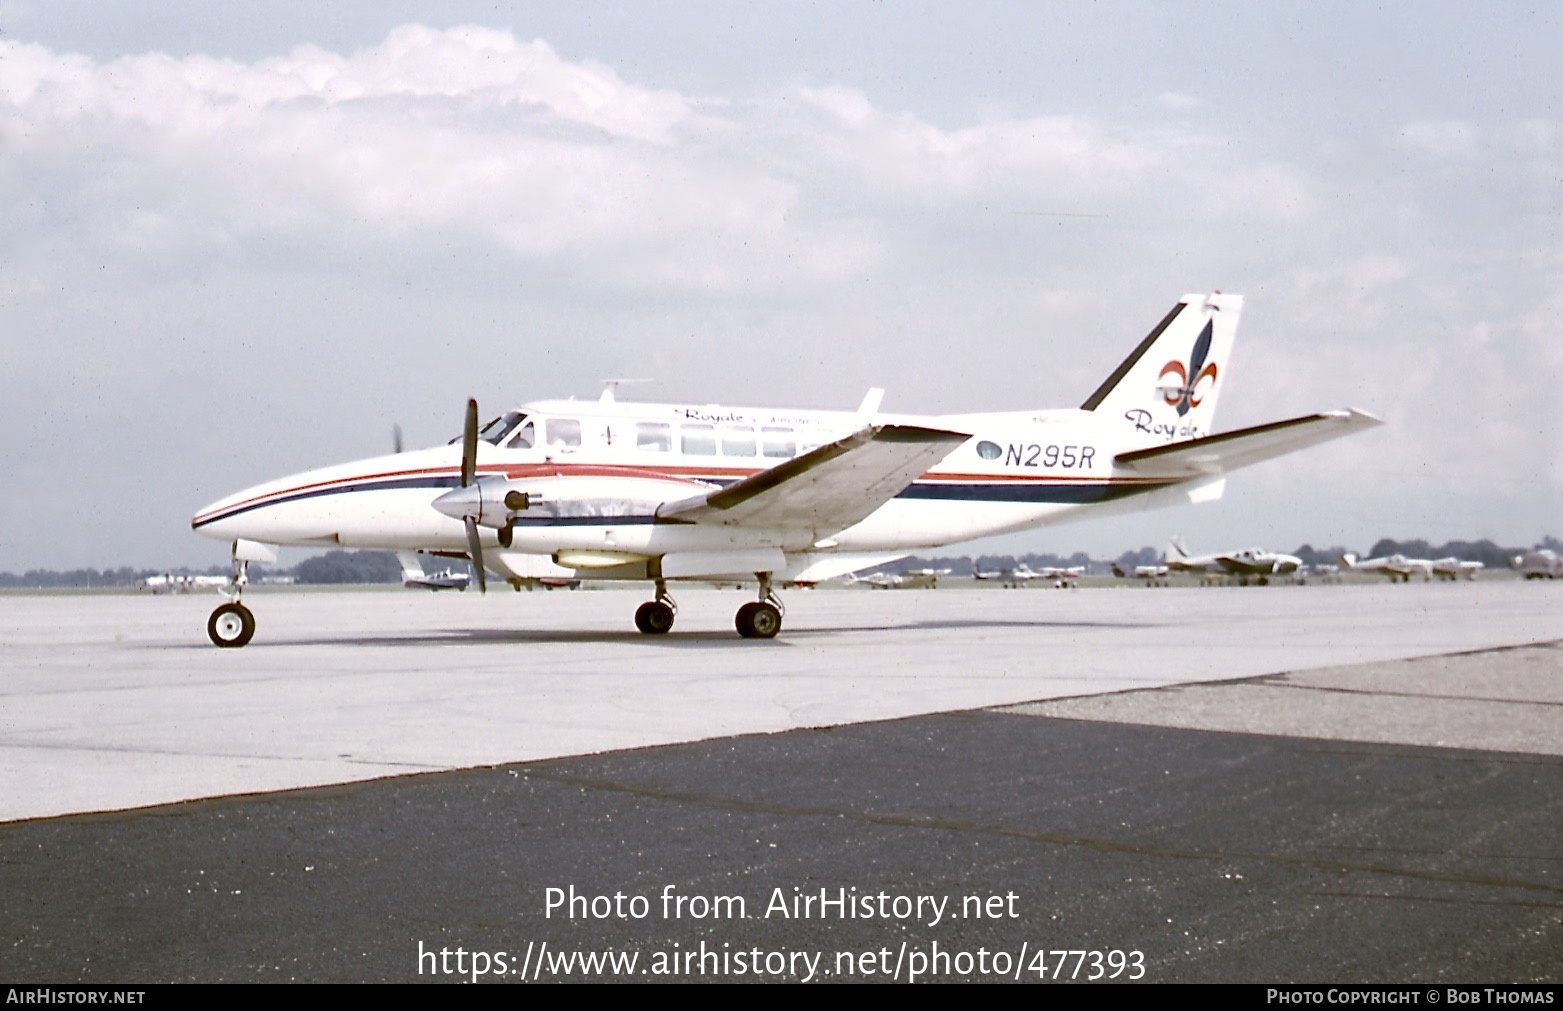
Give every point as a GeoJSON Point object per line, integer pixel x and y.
{"type": "Point", "coordinates": [662, 492]}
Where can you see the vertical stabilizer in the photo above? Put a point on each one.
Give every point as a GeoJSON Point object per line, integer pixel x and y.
{"type": "Point", "coordinates": [1167, 389]}
{"type": "Point", "coordinates": [412, 569]}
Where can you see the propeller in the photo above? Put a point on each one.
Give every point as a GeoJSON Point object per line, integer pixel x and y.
{"type": "Point", "coordinates": [469, 467]}
{"type": "Point", "coordinates": [396, 437]}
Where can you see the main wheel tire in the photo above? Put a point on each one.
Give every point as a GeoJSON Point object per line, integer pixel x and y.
{"type": "Point", "coordinates": [654, 617]}
{"type": "Point", "coordinates": [758, 619]}
{"type": "Point", "coordinates": [231, 626]}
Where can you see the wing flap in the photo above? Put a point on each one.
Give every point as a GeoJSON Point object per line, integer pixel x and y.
{"type": "Point", "coordinates": [827, 489]}
{"type": "Point", "coordinates": [1217, 454]}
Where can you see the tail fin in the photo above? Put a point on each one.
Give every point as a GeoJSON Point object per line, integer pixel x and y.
{"type": "Point", "coordinates": [412, 569]}
{"type": "Point", "coordinates": [1168, 387]}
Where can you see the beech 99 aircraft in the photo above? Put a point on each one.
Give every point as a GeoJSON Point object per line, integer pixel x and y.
{"type": "Point", "coordinates": [661, 492]}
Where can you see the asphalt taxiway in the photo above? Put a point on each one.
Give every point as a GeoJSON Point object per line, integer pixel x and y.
{"type": "Point", "coordinates": [1288, 783]}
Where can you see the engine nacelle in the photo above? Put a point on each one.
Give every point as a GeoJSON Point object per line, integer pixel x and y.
{"type": "Point", "coordinates": [498, 502]}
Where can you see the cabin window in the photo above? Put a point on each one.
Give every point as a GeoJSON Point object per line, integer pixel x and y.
{"type": "Point", "coordinates": [737, 441]}
{"type": "Point", "coordinates": [524, 439]}
{"type": "Point", "coordinates": [654, 436]}
{"type": "Point", "coordinates": [563, 432]}
{"type": "Point", "coordinates": [698, 440]}
{"type": "Point", "coordinates": [988, 450]}
{"type": "Point", "coordinates": [778, 442]}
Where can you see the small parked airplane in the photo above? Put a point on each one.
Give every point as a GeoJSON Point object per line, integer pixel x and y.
{"type": "Point", "coordinates": [1061, 576]}
{"type": "Point", "coordinates": [1397, 567]}
{"type": "Point", "coordinates": [1249, 563]}
{"type": "Point", "coordinates": [1453, 568]}
{"type": "Point", "coordinates": [911, 579]}
{"type": "Point", "coordinates": [1154, 575]}
{"type": "Point", "coordinates": [1542, 563]}
{"type": "Point", "coordinates": [414, 578]}
{"type": "Point", "coordinates": [1022, 574]}
{"type": "Point", "coordinates": [169, 582]}
{"type": "Point", "coordinates": [664, 492]}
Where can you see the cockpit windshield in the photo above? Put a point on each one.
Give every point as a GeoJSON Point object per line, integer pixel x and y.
{"type": "Point", "coordinates": [496, 430]}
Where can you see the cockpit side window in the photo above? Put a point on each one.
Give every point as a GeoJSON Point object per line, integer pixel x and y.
{"type": "Point", "coordinates": [524, 439]}
{"type": "Point", "coordinates": [495, 431]}
{"type": "Point", "coordinates": [563, 431]}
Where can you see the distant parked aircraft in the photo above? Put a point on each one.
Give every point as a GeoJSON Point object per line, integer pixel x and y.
{"type": "Point", "coordinates": [1023, 574]}
{"type": "Point", "coordinates": [1454, 568]}
{"type": "Point", "coordinates": [168, 582]}
{"type": "Point", "coordinates": [413, 576]}
{"type": "Point", "coordinates": [911, 579]}
{"type": "Point", "coordinates": [1543, 563]}
{"type": "Point", "coordinates": [1249, 563]}
{"type": "Point", "coordinates": [1398, 568]}
{"type": "Point", "coordinates": [1154, 575]}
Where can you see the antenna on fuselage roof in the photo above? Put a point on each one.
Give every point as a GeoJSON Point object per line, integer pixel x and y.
{"type": "Point", "coordinates": [610, 386]}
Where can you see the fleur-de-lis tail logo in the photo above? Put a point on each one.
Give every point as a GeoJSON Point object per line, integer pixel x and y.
{"type": "Point", "coordinates": [1186, 386]}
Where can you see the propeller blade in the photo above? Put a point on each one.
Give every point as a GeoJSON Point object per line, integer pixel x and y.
{"type": "Point", "coordinates": [469, 445]}
{"type": "Point", "coordinates": [475, 549]}
{"type": "Point", "coordinates": [396, 437]}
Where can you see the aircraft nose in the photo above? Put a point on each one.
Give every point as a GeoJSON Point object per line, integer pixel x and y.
{"type": "Point", "coordinates": [214, 519]}
{"type": "Point", "coordinates": [459, 503]}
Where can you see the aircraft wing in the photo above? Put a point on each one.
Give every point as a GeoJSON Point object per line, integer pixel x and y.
{"type": "Point", "coordinates": [1217, 454]}
{"type": "Point", "coordinates": [828, 489]}
{"type": "Point", "coordinates": [1241, 566]}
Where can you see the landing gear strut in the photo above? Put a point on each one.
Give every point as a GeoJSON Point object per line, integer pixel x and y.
{"type": "Point", "coordinates": [655, 617]}
{"type": "Point", "coordinates": [761, 619]}
{"type": "Point", "coordinates": [232, 625]}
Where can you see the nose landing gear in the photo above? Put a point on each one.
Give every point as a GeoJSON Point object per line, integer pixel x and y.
{"type": "Point", "coordinates": [232, 625]}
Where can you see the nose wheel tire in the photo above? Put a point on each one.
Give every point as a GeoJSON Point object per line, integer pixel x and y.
{"type": "Point", "coordinates": [758, 619]}
{"type": "Point", "coordinates": [231, 626]}
{"type": "Point", "coordinates": [654, 617]}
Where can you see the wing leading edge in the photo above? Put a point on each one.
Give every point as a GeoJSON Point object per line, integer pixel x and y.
{"type": "Point", "coordinates": [1217, 454]}
{"type": "Point", "coordinates": [827, 489]}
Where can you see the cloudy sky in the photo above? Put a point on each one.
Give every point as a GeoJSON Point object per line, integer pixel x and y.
{"type": "Point", "coordinates": [237, 245]}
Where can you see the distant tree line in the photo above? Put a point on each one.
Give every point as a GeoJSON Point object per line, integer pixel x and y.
{"type": "Point", "coordinates": [49, 579]}
{"type": "Point", "coordinates": [339, 567]}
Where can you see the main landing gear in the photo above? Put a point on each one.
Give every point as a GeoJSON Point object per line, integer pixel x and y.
{"type": "Point", "coordinates": [758, 619]}
{"type": "Point", "coordinates": [761, 619]}
{"type": "Point", "coordinates": [655, 617]}
{"type": "Point", "coordinates": [232, 625]}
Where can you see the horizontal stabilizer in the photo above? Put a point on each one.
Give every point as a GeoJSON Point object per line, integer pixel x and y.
{"type": "Point", "coordinates": [827, 489]}
{"type": "Point", "coordinates": [1217, 454]}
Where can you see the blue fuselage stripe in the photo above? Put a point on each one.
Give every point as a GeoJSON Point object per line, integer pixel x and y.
{"type": "Point", "coordinates": [1034, 493]}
